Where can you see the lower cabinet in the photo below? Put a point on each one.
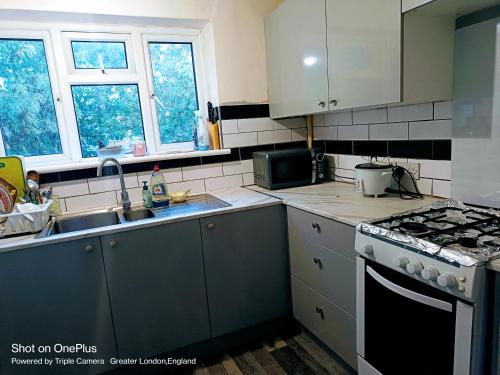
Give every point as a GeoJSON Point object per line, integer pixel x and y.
{"type": "Point", "coordinates": [55, 294]}
{"type": "Point", "coordinates": [247, 268]}
{"type": "Point", "coordinates": [157, 288]}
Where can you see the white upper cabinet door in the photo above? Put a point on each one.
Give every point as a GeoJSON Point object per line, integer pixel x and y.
{"type": "Point", "coordinates": [364, 52]}
{"type": "Point", "coordinates": [297, 58]}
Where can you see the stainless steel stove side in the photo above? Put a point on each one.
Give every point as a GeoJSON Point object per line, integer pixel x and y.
{"type": "Point", "coordinates": [385, 253]}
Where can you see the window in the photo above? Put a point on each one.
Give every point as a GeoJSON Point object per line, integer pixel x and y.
{"type": "Point", "coordinates": [106, 113]}
{"type": "Point", "coordinates": [99, 55]}
{"type": "Point", "coordinates": [174, 85]}
{"type": "Point", "coordinates": [28, 121]}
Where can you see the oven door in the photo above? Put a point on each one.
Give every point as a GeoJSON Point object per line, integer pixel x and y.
{"type": "Point", "coordinates": [405, 326]}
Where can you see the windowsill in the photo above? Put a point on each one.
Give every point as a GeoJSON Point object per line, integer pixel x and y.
{"type": "Point", "coordinates": [61, 166]}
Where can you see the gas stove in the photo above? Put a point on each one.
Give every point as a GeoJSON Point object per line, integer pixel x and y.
{"type": "Point", "coordinates": [444, 244]}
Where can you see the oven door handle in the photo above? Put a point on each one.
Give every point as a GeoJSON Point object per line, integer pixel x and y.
{"type": "Point", "coordinates": [417, 297]}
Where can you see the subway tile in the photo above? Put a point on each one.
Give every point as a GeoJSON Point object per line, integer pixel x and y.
{"type": "Point", "coordinates": [410, 149]}
{"type": "Point", "coordinates": [289, 145]}
{"type": "Point", "coordinates": [229, 126]}
{"type": "Point", "coordinates": [350, 161]}
{"type": "Point", "coordinates": [224, 182]}
{"type": "Point", "coordinates": [247, 152]}
{"type": "Point", "coordinates": [343, 173]}
{"type": "Point", "coordinates": [332, 160]}
{"type": "Point", "coordinates": [437, 129]}
{"type": "Point", "coordinates": [68, 188]}
{"type": "Point", "coordinates": [440, 169]}
{"type": "Point", "coordinates": [339, 147]}
{"type": "Point", "coordinates": [441, 188]}
{"type": "Point", "coordinates": [263, 110]}
{"type": "Point", "coordinates": [170, 175]}
{"type": "Point", "coordinates": [196, 186]}
{"type": "Point", "coordinates": [274, 136]}
{"type": "Point", "coordinates": [134, 195]}
{"type": "Point", "coordinates": [290, 123]}
{"type": "Point", "coordinates": [425, 186]}
{"type": "Point", "coordinates": [88, 202]}
{"type": "Point", "coordinates": [441, 149]}
{"type": "Point", "coordinates": [237, 167]}
{"type": "Point", "coordinates": [371, 116]}
{"type": "Point", "coordinates": [299, 134]}
{"type": "Point", "coordinates": [370, 148]}
{"type": "Point", "coordinates": [325, 133]}
{"type": "Point", "coordinates": [338, 118]}
{"type": "Point", "coordinates": [395, 131]}
{"type": "Point", "coordinates": [353, 132]}
{"type": "Point", "coordinates": [202, 171]}
{"type": "Point", "coordinates": [101, 184]}
{"type": "Point", "coordinates": [410, 112]}
{"type": "Point", "coordinates": [255, 124]}
{"type": "Point", "coordinates": [443, 110]}
{"type": "Point", "coordinates": [319, 120]}
{"type": "Point", "coordinates": [239, 140]}
{"type": "Point", "coordinates": [248, 179]}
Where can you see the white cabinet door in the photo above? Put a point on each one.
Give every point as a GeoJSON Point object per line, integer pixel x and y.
{"type": "Point", "coordinates": [297, 58]}
{"type": "Point", "coordinates": [364, 52]}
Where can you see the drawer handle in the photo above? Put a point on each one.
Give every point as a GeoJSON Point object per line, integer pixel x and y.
{"type": "Point", "coordinates": [318, 262]}
{"type": "Point", "coordinates": [319, 310]}
{"type": "Point", "coordinates": [316, 226]}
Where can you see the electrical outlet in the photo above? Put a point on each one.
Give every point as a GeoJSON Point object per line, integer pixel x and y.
{"type": "Point", "coordinates": [413, 168]}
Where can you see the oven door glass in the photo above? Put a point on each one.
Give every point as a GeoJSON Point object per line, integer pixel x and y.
{"type": "Point", "coordinates": [292, 169]}
{"type": "Point", "coordinates": [409, 326]}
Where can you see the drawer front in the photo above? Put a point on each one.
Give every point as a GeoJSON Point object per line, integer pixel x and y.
{"type": "Point", "coordinates": [329, 323]}
{"type": "Point", "coordinates": [328, 233]}
{"type": "Point", "coordinates": [327, 272]}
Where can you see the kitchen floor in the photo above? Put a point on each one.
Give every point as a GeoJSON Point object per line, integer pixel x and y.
{"type": "Point", "coordinates": [298, 355]}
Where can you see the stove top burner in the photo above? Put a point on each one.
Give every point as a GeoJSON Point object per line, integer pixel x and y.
{"type": "Point", "coordinates": [413, 227]}
{"type": "Point", "coordinates": [468, 242]}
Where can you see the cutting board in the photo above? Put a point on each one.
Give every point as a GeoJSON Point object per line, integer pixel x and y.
{"type": "Point", "coordinates": [12, 171]}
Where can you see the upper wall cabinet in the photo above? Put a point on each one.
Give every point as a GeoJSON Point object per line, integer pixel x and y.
{"type": "Point", "coordinates": [333, 54]}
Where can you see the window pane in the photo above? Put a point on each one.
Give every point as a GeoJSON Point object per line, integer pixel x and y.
{"type": "Point", "coordinates": [175, 90]}
{"type": "Point", "coordinates": [99, 55]}
{"type": "Point", "coordinates": [27, 113]}
{"type": "Point", "coordinates": [105, 113]}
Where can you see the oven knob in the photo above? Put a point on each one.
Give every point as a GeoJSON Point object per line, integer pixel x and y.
{"type": "Point", "coordinates": [448, 281]}
{"type": "Point", "coordinates": [368, 249]}
{"type": "Point", "coordinates": [414, 267]}
{"type": "Point", "coordinates": [400, 261]}
{"type": "Point", "coordinates": [430, 273]}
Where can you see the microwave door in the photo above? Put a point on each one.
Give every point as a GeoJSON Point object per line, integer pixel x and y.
{"type": "Point", "coordinates": [291, 171]}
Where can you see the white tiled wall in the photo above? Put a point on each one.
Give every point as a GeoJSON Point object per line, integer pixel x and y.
{"type": "Point", "coordinates": [414, 122]}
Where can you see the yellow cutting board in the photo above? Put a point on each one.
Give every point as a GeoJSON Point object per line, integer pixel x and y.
{"type": "Point", "coordinates": [12, 170]}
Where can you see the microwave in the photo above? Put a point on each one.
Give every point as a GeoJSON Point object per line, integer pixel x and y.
{"type": "Point", "coordinates": [284, 168]}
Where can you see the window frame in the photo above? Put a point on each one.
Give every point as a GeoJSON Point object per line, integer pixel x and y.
{"type": "Point", "coordinates": [184, 36]}
{"type": "Point", "coordinates": [44, 35]}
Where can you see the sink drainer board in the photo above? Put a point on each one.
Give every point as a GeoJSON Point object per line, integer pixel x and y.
{"type": "Point", "coordinates": [68, 224]}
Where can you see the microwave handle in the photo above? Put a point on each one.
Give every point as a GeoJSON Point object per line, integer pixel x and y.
{"type": "Point", "coordinates": [417, 297]}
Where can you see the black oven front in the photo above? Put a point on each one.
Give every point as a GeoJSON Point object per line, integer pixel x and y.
{"type": "Point", "coordinates": [407, 327]}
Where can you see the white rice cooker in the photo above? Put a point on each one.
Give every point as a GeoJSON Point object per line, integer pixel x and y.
{"type": "Point", "coordinates": [372, 179]}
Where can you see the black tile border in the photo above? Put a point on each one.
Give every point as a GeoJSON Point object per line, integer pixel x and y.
{"type": "Point", "coordinates": [241, 111]}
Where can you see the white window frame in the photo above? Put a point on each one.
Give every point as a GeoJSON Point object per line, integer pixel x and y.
{"type": "Point", "coordinates": [175, 36]}
{"type": "Point", "coordinates": [89, 36]}
{"type": "Point", "coordinates": [57, 39]}
{"type": "Point", "coordinates": [44, 35]}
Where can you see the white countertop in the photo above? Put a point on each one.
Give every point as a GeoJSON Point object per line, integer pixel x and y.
{"type": "Point", "coordinates": [340, 201]}
{"type": "Point", "coordinates": [239, 199]}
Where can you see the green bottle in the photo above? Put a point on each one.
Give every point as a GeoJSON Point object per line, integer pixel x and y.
{"type": "Point", "coordinates": [147, 198]}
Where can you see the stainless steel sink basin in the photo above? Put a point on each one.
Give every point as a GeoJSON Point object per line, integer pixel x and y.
{"type": "Point", "coordinates": [138, 214]}
{"type": "Point", "coordinates": [80, 222]}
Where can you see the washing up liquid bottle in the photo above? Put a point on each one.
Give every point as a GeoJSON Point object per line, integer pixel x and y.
{"type": "Point", "coordinates": [147, 199]}
{"type": "Point", "coordinates": [159, 191]}
{"type": "Point", "coordinates": [202, 132]}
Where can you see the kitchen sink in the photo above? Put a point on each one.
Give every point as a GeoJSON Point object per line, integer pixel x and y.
{"type": "Point", "coordinates": [80, 222]}
{"type": "Point", "coordinates": [138, 214]}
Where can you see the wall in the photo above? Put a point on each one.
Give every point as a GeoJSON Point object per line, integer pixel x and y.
{"type": "Point", "coordinates": [238, 28]}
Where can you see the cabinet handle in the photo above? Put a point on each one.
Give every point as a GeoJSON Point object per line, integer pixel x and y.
{"type": "Point", "coordinates": [113, 243]}
{"type": "Point", "coordinates": [319, 310]}
{"type": "Point", "coordinates": [211, 226]}
{"type": "Point", "coordinates": [321, 103]}
{"type": "Point", "coordinates": [318, 262]}
{"type": "Point", "coordinates": [89, 248]}
{"type": "Point", "coordinates": [333, 102]}
{"type": "Point", "coordinates": [316, 226]}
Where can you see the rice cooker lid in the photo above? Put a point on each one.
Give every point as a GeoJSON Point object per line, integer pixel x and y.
{"type": "Point", "coordinates": [372, 166]}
